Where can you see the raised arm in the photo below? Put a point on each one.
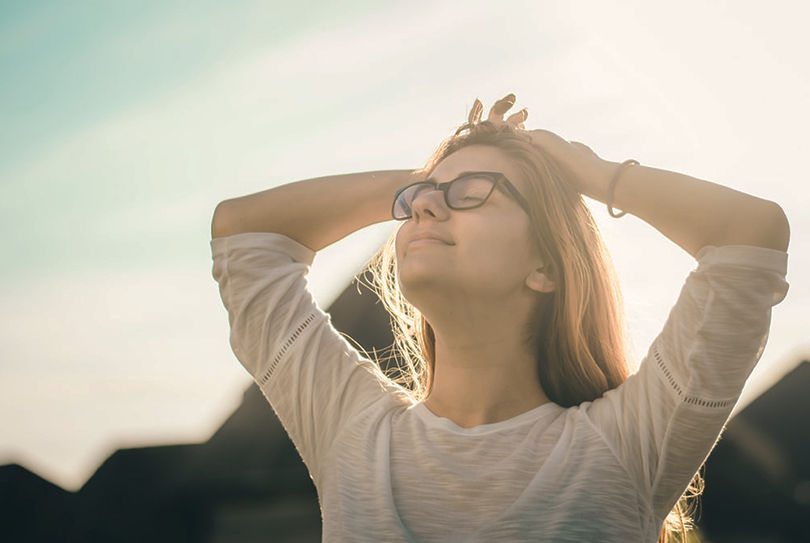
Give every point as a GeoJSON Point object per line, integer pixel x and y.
{"type": "Point", "coordinates": [314, 378]}
{"type": "Point", "coordinates": [695, 213]}
{"type": "Point", "coordinates": [315, 212]}
{"type": "Point", "coordinates": [691, 212]}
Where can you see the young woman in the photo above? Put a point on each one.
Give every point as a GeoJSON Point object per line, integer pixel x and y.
{"type": "Point", "coordinates": [514, 417]}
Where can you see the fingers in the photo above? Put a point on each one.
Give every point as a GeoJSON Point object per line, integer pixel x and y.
{"type": "Point", "coordinates": [497, 112]}
{"type": "Point", "coordinates": [476, 111]}
{"type": "Point", "coordinates": [500, 107]}
{"type": "Point", "coordinates": [518, 118]}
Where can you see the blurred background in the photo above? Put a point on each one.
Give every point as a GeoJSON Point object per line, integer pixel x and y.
{"type": "Point", "coordinates": [123, 124]}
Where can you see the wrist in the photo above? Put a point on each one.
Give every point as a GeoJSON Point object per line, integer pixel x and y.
{"type": "Point", "coordinates": [599, 187]}
{"type": "Point", "coordinates": [618, 172]}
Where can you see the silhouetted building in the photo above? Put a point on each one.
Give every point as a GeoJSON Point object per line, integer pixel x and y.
{"type": "Point", "coordinates": [758, 477]}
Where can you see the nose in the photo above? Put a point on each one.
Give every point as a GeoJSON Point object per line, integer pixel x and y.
{"type": "Point", "coordinates": [430, 202]}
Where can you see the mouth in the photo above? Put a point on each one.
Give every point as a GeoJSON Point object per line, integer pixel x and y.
{"type": "Point", "coordinates": [426, 241]}
{"type": "Point", "coordinates": [426, 235]}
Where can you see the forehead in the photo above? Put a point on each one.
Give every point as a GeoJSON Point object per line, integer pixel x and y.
{"type": "Point", "coordinates": [478, 158]}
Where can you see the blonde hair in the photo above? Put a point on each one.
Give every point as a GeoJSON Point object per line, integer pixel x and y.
{"type": "Point", "coordinates": [578, 331]}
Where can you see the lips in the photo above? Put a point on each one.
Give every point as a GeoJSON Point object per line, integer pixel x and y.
{"type": "Point", "coordinates": [428, 235]}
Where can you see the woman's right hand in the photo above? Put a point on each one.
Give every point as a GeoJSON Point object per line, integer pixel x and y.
{"type": "Point", "coordinates": [587, 171]}
{"type": "Point", "coordinates": [497, 112]}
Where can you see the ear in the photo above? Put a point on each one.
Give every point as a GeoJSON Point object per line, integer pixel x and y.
{"type": "Point", "coordinates": [537, 280]}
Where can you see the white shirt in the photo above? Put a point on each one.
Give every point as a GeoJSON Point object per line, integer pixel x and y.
{"type": "Point", "coordinates": [390, 470]}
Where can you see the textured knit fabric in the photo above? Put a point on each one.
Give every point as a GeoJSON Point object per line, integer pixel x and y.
{"type": "Point", "coordinates": [390, 470]}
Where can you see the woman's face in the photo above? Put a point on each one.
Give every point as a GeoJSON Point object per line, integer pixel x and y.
{"type": "Point", "coordinates": [487, 251]}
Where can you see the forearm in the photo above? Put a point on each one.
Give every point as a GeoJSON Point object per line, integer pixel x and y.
{"type": "Point", "coordinates": [694, 213]}
{"type": "Point", "coordinates": [315, 212]}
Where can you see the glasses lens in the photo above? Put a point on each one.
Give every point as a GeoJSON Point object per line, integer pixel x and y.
{"type": "Point", "coordinates": [402, 205]}
{"type": "Point", "coordinates": [469, 191]}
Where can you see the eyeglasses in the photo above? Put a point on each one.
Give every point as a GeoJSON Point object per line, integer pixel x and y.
{"type": "Point", "coordinates": [468, 191]}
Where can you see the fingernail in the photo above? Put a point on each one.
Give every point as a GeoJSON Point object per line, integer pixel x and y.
{"type": "Point", "coordinates": [509, 97]}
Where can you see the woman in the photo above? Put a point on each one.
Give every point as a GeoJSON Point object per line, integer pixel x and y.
{"type": "Point", "coordinates": [515, 417]}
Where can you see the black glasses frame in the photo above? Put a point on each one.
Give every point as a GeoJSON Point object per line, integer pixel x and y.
{"type": "Point", "coordinates": [497, 178]}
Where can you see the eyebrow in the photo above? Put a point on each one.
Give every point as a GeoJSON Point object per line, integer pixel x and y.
{"type": "Point", "coordinates": [462, 174]}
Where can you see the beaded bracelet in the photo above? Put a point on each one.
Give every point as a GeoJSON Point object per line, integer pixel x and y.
{"type": "Point", "coordinates": [627, 163]}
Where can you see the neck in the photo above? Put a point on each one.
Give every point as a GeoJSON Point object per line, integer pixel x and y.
{"type": "Point", "coordinates": [479, 381]}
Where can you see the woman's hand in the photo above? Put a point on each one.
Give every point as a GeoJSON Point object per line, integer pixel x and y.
{"type": "Point", "coordinates": [497, 111]}
{"type": "Point", "coordinates": [589, 173]}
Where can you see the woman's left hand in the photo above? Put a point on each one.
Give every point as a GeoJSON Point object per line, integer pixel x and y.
{"type": "Point", "coordinates": [589, 173]}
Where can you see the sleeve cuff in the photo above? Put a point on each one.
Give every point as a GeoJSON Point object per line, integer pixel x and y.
{"type": "Point", "coordinates": [263, 240]}
{"type": "Point", "coordinates": [743, 255]}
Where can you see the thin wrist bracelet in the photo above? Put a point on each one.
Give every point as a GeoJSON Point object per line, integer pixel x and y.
{"type": "Point", "coordinates": [626, 164]}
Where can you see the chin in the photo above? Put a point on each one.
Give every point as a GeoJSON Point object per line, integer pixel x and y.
{"type": "Point", "coordinates": [418, 283]}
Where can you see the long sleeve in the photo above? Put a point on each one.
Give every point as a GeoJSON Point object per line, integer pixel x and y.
{"type": "Point", "coordinates": [665, 419]}
{"type": "Point", "coordinates": [314, 379]}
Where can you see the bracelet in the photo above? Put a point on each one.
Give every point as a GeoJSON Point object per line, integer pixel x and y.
{"type": "Point", "coordinates": [612, 186]}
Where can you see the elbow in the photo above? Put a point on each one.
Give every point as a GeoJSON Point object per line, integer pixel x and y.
{"type": "Point", "coordinates": [219, 221]}
{"type": "Point", "coordinates": [763, 224]}
{"type": "Point", "coordinates": [779, 232]}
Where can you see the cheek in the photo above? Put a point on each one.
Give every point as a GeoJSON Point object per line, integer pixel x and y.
{"type": "Point", "coordinates": [503, 253]}
{"type": "Point", "coordinates": [497, 253]}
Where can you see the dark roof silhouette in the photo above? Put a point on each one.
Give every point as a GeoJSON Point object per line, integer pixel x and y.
{"type": "Point", "coordinates": [758, 477]}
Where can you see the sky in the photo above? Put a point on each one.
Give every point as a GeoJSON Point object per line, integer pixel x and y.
{"type": "Point", "coordinates": [123, 124]}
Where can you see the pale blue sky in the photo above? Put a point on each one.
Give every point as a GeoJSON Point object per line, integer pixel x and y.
{"type": "Point", "coordinates": [122, 127]}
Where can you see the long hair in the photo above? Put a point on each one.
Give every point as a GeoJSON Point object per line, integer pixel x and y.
{"type": "Point", "coordinates": [578, 331]}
